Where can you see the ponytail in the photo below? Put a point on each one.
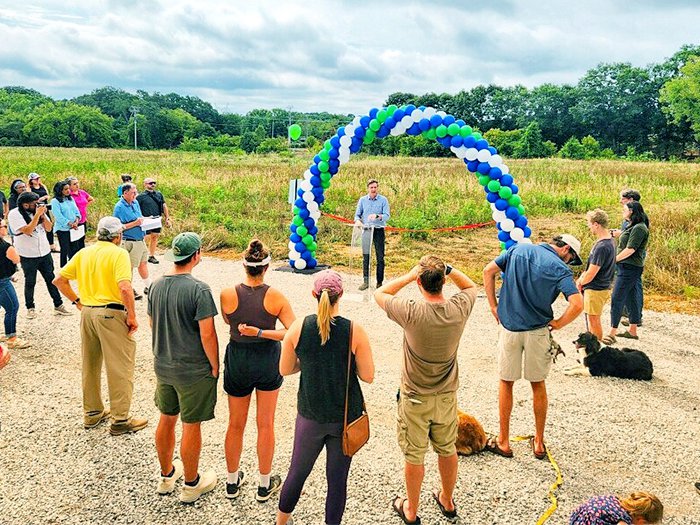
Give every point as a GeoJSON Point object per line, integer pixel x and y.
{"type": "Point", "coordinates": [643, 505]}
{"type": "Point", "coordinates": [323, 317]}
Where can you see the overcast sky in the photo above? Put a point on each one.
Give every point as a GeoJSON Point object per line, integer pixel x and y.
{"type": "Point", "coordinates": [337, 56]}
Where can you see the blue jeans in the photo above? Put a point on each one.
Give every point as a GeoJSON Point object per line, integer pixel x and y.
{"type": "Point", "coordinates": [625, 294]}
{"type": "Point", "coordinates": [9, 301]}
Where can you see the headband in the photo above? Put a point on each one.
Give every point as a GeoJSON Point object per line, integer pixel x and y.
{"type": "Point", "coordinates": [264, 262]}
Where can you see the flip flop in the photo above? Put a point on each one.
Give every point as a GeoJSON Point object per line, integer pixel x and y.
{"type": "Point", "coordinates": [609, 340]}
{"type": "Point", "coordinates": [538, 455]}
{"type": "Point", "coordinates": [449, 514]}
{"type": "Point", "coordinates": [492, 446]}
{"type": "Point", "coordinates": [399, 510]}
{"type": "Point", "coordinates": [627, 335]}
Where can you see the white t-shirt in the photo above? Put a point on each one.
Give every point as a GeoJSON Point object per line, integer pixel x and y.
{"type": "Point", "coordinates": [29, 246]}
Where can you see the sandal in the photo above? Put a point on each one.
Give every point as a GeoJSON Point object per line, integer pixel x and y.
{"type": "Point", "coordinates": [492, 446]}
{"type": "Point", "coordinates": [538, 455]}
{"type": "Point", "coordinates": [399, 510]}
{"type": "Point", "coordinates": [609, 340]}
{"type": "Point", "coordinates": [627, 335]}
{"type": "Point", "coordinates": [449, 514]}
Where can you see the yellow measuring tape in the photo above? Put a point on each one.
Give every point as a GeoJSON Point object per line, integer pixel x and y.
{"type": "Point", "coordinates": [553, 487]}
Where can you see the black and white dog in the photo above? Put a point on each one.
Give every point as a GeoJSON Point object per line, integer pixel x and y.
{"type": "Point", "coordinates": [625, 363]}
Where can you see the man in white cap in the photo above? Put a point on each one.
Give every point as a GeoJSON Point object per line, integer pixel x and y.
{"type": "Point", "coordinates": [107, 324]}
{"type": "Point", "coordinates": [534, 276]}
{"type": "Point", "coordinates": [153, 204]}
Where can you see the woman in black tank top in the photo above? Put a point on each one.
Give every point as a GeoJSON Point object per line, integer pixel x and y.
{"type": "Point", "coordinates": [317, 346]}
{"type": "Point", "coordinates": [9, 259]}
{"type": "Point", "coordinates": [251, 362]}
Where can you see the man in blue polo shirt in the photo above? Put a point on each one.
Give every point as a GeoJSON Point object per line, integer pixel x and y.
{"type": "Point", "coordinates": [534, 276]}
{"type": "Point", "coordinates": [128, 211]}
{"type": "Point", "coordinates": [372, 213]}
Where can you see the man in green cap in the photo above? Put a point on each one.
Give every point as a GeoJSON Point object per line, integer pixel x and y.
{"type": "Point", "coordinates": [181, 310]}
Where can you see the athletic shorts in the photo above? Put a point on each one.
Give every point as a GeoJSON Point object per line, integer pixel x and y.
{"type": "Point", "coordinates": [424, 419]}
{"type": "Point", "coordinates": [195, 403]}
{"type": "Point", "coordinates": [154, 230]}
{"type": "Point", "coordinates": [594, 300]}
{"type": "Point", "coordinates": [138, 253]}
{"type": "Point", "coordinates": [524, 354]}
{"type": "Point", "coordinates": [252, 366]}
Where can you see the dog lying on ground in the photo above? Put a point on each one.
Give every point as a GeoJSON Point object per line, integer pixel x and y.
{"type": "Point", "coordinates": [471, 437]}
{"type": "Point", "coordinates": [624, 363]}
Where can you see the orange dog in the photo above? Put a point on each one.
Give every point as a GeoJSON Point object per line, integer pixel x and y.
{"type": "Point", "coordinates": [471, 437]}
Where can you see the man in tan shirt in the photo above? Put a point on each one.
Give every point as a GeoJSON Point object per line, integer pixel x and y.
{"type": "Point", "coordinates": [427, 411]}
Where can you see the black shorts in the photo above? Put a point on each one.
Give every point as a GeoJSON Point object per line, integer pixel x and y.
{"type": "Point", "coordinates": [252, 366]}
{"type": "Point", "coordinates": [154, 230]}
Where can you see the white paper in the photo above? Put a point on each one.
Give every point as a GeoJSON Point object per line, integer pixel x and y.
{"type": "Point", "coordinates": [150, 223]}
{"type": "Point", "coordinates": [77, 234]}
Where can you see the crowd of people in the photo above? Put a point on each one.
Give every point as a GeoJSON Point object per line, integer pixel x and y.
{"type": "Point", "coordinates": [331, 353]}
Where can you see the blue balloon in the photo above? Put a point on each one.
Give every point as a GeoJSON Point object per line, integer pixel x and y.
{"type": "Point", "coordinates": [315, 181]}
{"type": "Point", "coordinates": [501, 204]}
{"type": "Point", "coordinates": [444, 141]}
{"type": "Point", "coordinates": [317, 159]}
{"type": "Point", "coordinates": [460, 123]}
{"type": "Point", "coordinates": [295, 237]}
{"type": "Point", "coordinates": [398, 114]}
{"type": "Point", "coordinates": [335, 142]}
{"type": "Point", "coordinates": [514, 188]}
{"type": "Point", "coordinates": [360, 132]}
{"type": "Point", "coordinates": [291, 263]}
{"type": "Point", "coordinates": [424, 124]}
{"type": "Point", "coordinates": [527, 231]}
{"type": "Point", "coordinates": [512, 213]}
{"type": "Point", "coordinates": [311, 263]}
{"type": "Point", "coordinates": [457, 141]}
{"type": "Point", "coordinates": [300, 247]}
{"type": "Point", "coordinates": [449, 119]}
{"type": "Point", "coordinates": [490, 196]}
{"type": "Point", "coordinates": [481, 144]}
{"type": "Point", "coordinates": [382, 132]}
{"type": "Point", "coordinates": [422, 108]}
{"type": "Point", "coordinates": [300, 192]}
{"type": "Point", "coordinates": [317, 191]}
{"type": "Point", "coordinates": [364, 121]}
{"type": "Point", "coordinates": [300, 203]}
{"type": "Point", "coordinates": [333, 166]}
{"type": "Point", "coordinates": [355, 145]}
{"type": "Point", "coordinates": [333, 153]}
{"type": "Point", "coordinates": [309, 223]}
{"type": "Point", "coordinates": [510, 244]}
{"type": "Point", "coordinates": [313, 230]}
{"type": "Point", "coordinates": [493, 150]}
{"type": "Point", "coordinates": [502, 236]}
{"type": "Point", "coordinates": [484, 168]}
{"type": "Point", "coordinates": [413, 130]}
{"type": "Point", "coordinates": [521, 222]}
{"type": "Point", "coordinates": [496, 174]}
{"type": "Point", "coordinates": [435, 121]}
{"type": "Point", "coordinates": [306, 255]}
{"type": "Point", "coordinates": [373, 113]}
{"type": "Point", "coordinates": [341, 132]}
{"type": "Point", "coordinates": [390, 122]}
{"type": "Point", "coordinates": [506, 180]}
{"type": "Point", "coordinates": [293, 229]}
{"type": "Point", "coordinates": [410, 108]}
{"type": "Point", "coordinates": [469, 141]}
{"type": "Point", "coordinates": [314, 169]}
{"type": "Point", "coordinates": [472, 165]}
{"type": "Point", "coordinates": [320, 199]}
{"type": "Point", "coordinates": [498, 227]}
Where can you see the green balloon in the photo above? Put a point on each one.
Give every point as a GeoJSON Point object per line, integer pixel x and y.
{"type": "Point", "coordinates": [521, 209]}
{"type": "Point", "coordinates": [296, 210]}
{"type": "Point", "coordinates": [369, 137]}
{"type": "Point", "coordinates": [453, 129]}
{"type": "Point", "coordinates": [374, 125]}
{"type": "Point", "coordinates": [494, 186]}
{"type": "Point", "coordinates": [324, 155]}
{"type": "Point", "coordinates": [294, 131]}
{"type": "Point", "coordinates": [477, 136]}
{"type": "Point", "coordinates": [307, 239]}
{"type": "Point", "coordinates": [327, 145]}
{"type": "Point", "coordinates": [465, 131]}
{"type": "Point", "coordinates": [505, 192]}
{"type": "Point", "coordinates": [430, 134]}
{"type": "Point", "coordinates": [313, 247]}
{"type": "Point", "coordinates": [325, 176]}
{"type": "Point", "coordinates": [515, 200]}
{"type": "Point", "coordinates": [484, 179]}
{"type": "Point", "coordinates": [441, 130]}
{"type": "Point", "coordinates": [503, 245]}
{"type": "Point", "coordinates": [323, 166]}
{"type": "Point", "coordinates": [302, 231]}
{"type": "Point", "coordinates": [297, 220]}
{"type": "Point", "coordinates": [325, 184]}
{"type": "Point", "coordinates": [382, 115]}
{"type": "Point", "coordinates": [391, 109]}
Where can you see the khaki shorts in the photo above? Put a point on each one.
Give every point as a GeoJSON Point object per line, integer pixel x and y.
{"type": "Point", "coordinates": [194, 403]}
{"type": "Point", "coordinates": [524, 354]}
{"type": "Point", "coordinates": [138, 252]}
{"type": "Point", "coordinates": [427, 418]}
{"type": "Point", "coordinates": [594, 300]}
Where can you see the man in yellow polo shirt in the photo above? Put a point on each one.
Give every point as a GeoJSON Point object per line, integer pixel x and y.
{"type": "Point", "coordinates": [108, 320]}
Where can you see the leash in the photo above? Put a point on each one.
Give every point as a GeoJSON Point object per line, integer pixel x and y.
{"type": "Point", "coordinates": [553, 487]}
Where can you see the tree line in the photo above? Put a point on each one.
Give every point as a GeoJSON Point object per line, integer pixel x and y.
{"type": "Point", "coordinates": [614, 110]}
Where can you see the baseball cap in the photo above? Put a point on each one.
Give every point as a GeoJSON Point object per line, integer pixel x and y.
{"type": "Point", "coordinates": [109, 227]}
{"type": "Point", "coordinates": [184, 245]}
{"type": "Point", "coordinates": [328, 280]}
{"type": "Point", "coordinates": [148, 180]}
{"type": "Point", "coordinates": [34, 176]}
{"type": "Point", "coordinates": [575, 246]}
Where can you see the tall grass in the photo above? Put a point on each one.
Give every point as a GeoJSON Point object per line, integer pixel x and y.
{"type": "Point", "coordinates": [230, 198]}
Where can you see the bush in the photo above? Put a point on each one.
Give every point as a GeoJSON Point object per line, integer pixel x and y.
{"type": "Point", "coordinates": [276, 145]}
{"type": "Point", "coordinates": [572, 149]}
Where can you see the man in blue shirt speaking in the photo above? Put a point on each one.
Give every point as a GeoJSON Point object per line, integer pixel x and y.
{"type": "Point", "coordinates": [372, 213]}
{"type": "Point", "coordinates": [128, 211]}
{"type": "Point", "coordinates": [533, 278]}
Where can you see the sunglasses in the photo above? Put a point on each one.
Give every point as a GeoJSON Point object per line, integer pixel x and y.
{"type": "Point", "coordinates": [152, 183]}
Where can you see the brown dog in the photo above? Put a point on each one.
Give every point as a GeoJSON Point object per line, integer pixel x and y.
{"type": "Point", "coordinates": [471, 437]}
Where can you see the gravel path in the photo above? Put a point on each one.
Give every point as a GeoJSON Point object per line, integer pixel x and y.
{"type": "Point", "coordinates": [608, 435]}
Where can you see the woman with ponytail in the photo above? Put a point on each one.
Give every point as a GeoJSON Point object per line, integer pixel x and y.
{"type": "Point", "coordinates": [637, 509]}
{"type": "Point", "coordinates": [252, 310]}
{"type": "Point", "coordinates": [317, 346]}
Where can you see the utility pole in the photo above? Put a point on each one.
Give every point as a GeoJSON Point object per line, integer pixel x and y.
{"type": "Point", "coordinates": [289, 114]}
{"type": "Point", "coordinates": [134, 111]}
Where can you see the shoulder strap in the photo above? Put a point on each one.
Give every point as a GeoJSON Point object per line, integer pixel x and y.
{"type": "Point", "coordinates": [159, 202]}
{"type": "Point", "coordinates": [347, 381]}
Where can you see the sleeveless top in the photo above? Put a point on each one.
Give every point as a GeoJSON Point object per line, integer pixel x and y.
{"type": "Point", "coordinates": [251, 311]}
{"type": "Point", "coordinates": [321, 395]}
{"type": "Point", "coordinates": [7, 267]}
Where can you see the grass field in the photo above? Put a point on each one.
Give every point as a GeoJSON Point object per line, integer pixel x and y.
{"type": "Point", "coordinates": [228, 199]}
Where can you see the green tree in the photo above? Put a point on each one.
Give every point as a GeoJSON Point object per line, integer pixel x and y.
{"type": "Point", "coordinates": [550, 106]}
{"type": "Point", "coordinates": [572, 149]}
{"type": "Point", "coordinates": [249, 142]}
{"type": "Point", "coordinates": [681, 96]}
{"type": "Point", "coordinates": [503, 141]}
{"type": "Point", "coordinates": [69, 125]}
{"type": "Point", "coordinates": [530, 144]}
{"type": "Point", "coordinates": [591, 147]}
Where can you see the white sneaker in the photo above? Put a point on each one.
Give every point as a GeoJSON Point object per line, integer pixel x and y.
{"type": "Point", "coordinates": [61, 310]}
{"type": "Point", "coordinates": [207, 483]}
{"type": "Point", "coordinates": [31, 313]}
{"type": "Point", "coordinates": [167, 484]}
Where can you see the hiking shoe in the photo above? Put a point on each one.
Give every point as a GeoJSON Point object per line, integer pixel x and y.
{"type": "Point", "coordinates": [363, 286]}
{"type": "Point", "coordinates": [61, 310]}
{"type": "Point", "coordinates": [234, 489]}
{"type": "Point", "coordinates": [18, 344]}
{"type": "Point", "coordinates": [167, 483]}
{"type": "Point", "coordinates": [137, 296]}
{"type": "Point", "coordinates": [31, 313]}
{"type": "Point", "coordinates": [153, 260]}
{"type": "Point", "coordinates": [207, 483]}
{"type": "Point", "coordinates": [91, 421]}
{"type": "Point", "coordinates": [126, 427]}
{"type": "Point", "coordinates": [265, 493]}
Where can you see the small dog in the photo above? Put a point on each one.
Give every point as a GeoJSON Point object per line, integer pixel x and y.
{"type": "Point", "coordinates": [471, 437]}
{"type": "Point", "coordinates": [624, 363]}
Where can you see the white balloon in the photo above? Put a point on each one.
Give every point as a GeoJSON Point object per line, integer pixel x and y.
{"type": "Point", "coordinates": [350, 130]}
{"type": "Point", "coordinates": [459, 152]}
{"type": "Point", "coordinates": [493, 206]}
{"type": "Point", "coordinates": [315, 215]}
{"type": "Point", "coordinates": [407, 121]}
{"type": "Point", "coordinates": [417, 115]}
{"type": "Point", "coordinates": [507, 225]}
{"type": "Point", "coordinates": [306, 185]}
{"type": "Point", "coordinates": [344, 157]}
{"type": "Point", "coordinates": [312, 206]}
{"type": "Point", "coordinates": [499, 216]}
{"type": "Point", "coordinates": [517, 234]}
{"type": "Point", "coordinates": [495, 160]}
{"type": "Point", "coordinates": [397, 130]}
{"type": "Point", "coordinates": [294, 255]}
{"type": "Point", "coordinates": [308, 174]}
{"type": "Point", "coordinates": [471, 154]}
{"type": "Point", "coordinates": [299, 264]}
{"type": "Point", "coordinates": [291, 246]}
{"type": "Point", "coordinates": [345, 141]}
{"type": "Point", "coordinates": [356, 120]}
{"type": "Point", "coordinates": [526, 240]}
{"type": "Point", "coordinates": [504, 169]}
{"type": "Point", "coordinates": [484, 155]}
{"type": "Point", "coordinates": [429, 112]}
{"type": "Point", "coordinates": [442, 114]}
{"type": "Point", "coordinates": [308, 196]}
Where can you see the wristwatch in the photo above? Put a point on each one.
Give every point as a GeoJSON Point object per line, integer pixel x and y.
{"type": "Point", "coordinates": [77, 300]}
{"type": "Point", "coordinates": [448, 269]}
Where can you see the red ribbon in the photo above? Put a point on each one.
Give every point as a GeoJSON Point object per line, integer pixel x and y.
{"type": "Point", "coordinates": [392, 228]}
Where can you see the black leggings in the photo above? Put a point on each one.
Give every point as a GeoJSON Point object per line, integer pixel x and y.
{"type": "Point", "coordinates": [68, 248]}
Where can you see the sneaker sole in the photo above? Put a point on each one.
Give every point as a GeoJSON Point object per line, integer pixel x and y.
{"type": "Point", "coordinates": [263, 499]}
{"type": "Point", "coordinates": [206, 489]}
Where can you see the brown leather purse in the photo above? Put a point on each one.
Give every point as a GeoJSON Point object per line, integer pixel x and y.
{"type": "Point", "coordinates": [356, 434]}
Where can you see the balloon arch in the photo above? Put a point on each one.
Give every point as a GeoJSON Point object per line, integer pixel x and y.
{"type": "Point", "coordinates": [481, 159]}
